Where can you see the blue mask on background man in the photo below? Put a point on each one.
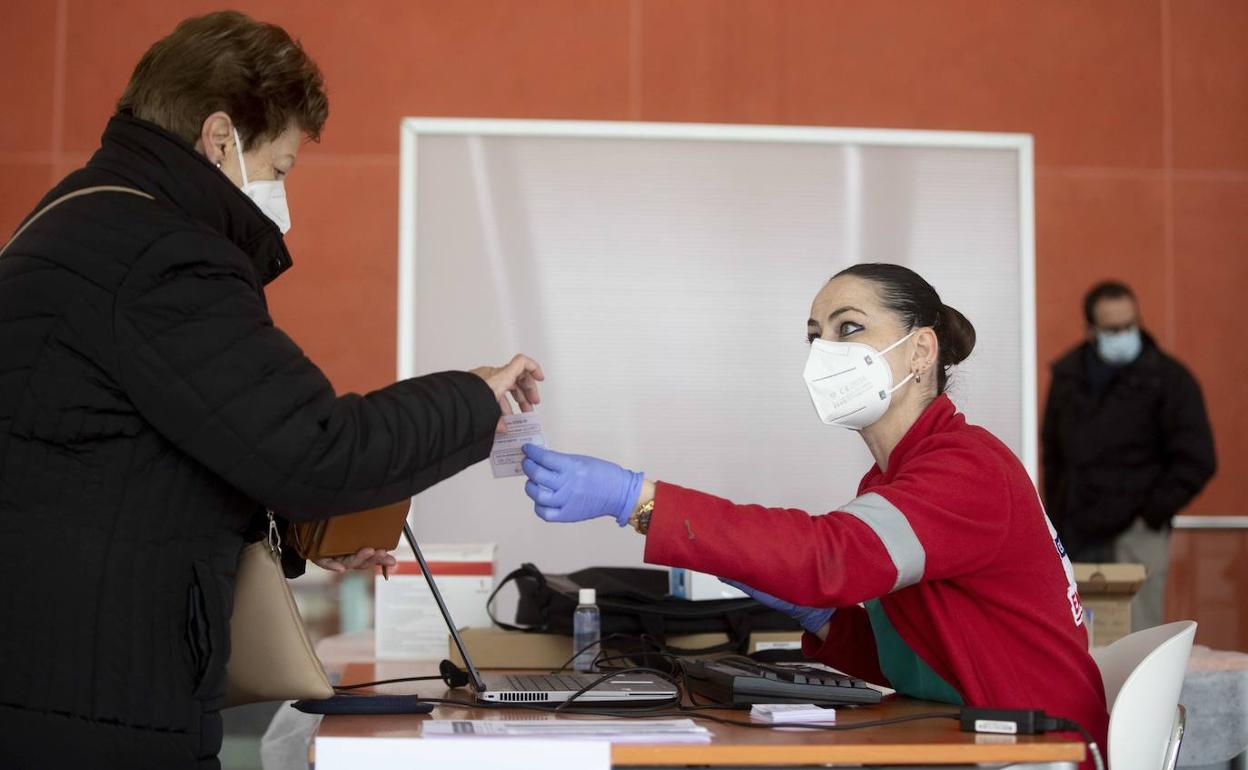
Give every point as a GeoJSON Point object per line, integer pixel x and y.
{"type": "Point", "coordinates": [1119, 348]}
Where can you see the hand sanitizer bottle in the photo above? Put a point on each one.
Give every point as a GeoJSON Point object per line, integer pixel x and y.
{"type": "Point", "coordinates": [586, 628]}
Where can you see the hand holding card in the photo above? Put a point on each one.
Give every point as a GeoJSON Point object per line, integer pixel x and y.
{"type": "Point", "coordinates": [520, 429]}
{"type": "Point", "coordinates": [518, 379]}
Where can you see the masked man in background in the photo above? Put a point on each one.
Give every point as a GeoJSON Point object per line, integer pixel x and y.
{"type": "Point", "coordinates": [1126, 444]}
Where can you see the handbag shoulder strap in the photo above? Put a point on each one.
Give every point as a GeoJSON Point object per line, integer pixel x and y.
{"type": "Point", "coordinates": [69, 196]}
{"type": "Point", "coordinates": [524, 570]}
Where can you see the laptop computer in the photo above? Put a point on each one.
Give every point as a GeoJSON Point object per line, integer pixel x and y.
{"type": "Point", "coordinates": [555, 687]}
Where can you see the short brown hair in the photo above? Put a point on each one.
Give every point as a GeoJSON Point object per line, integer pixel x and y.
{"type": "Point", "coordinates": [227, 61]}
{"type": "Point", "coordinates": [1104, 290]}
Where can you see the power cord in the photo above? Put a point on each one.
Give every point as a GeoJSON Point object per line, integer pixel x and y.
{"type": "Point", "coordinates": [343, 689]}
{"type": "Point", "coordinates": [601, 642]}
{"type": "Point", "coordinates": [1025, 722]}
{"type": "Point", "coordinates": [610, 672]}
{"type": "Point", "coordinates": [1070, 724]}
{"type": "Point", "coordinates": [663, 710]}
{"type": "Point", "coordinates": [452, 675]}
{"type": "Point", "coordinates": [620, 672]}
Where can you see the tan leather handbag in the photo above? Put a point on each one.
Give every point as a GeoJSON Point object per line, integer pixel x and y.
{"type": "Point", "coordinates": [271, 656]}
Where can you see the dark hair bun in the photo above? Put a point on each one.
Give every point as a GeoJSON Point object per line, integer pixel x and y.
{"type": "Point", "coordinates": [955, 334]}
{"type": "Point", "coordinates": [916, 303]}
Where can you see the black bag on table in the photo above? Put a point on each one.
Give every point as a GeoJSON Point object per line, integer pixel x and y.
{"type": "Point", "coordinates": [634, 601]}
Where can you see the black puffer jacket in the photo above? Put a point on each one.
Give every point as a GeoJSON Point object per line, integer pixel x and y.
{"type": "Point", "coordinates": [1140, 446]}
{"type": "Point", "coordinates": [149, 408]}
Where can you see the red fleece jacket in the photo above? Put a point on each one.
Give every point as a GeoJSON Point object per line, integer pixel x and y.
{"type": "Point", "coordinates": [952, 540]}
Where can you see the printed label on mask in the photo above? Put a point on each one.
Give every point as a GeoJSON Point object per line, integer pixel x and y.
{"type": "Point", "coordinates": [846, 394]}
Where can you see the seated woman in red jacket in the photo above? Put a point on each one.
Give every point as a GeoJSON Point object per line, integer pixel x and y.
{"type": "Point", "coordinates": [943, 577]}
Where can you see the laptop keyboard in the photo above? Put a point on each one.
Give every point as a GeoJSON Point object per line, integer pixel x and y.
{"type": "Point", "coordinates": [551, 682]}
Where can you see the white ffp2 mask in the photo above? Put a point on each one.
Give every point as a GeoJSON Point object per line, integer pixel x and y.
{"type": "Point", "coordinates": [269, 195]}
{"type": "Point", "coordinates": [850, 383]}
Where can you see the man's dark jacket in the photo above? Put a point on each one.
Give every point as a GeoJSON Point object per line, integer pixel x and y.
{"type": "Point", "coordinates": [1138, 446]}
{"type": "Point", "coordinates": [149, 410]}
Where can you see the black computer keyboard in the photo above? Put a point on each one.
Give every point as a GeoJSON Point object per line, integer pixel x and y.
{"type": "Point", "coordinates": [740, 680]}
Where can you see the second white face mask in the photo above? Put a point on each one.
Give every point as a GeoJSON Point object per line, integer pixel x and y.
{"type": "Point", "coordinates": [269, 195]}
{"type": "Point", "coordinates": [850, 383]}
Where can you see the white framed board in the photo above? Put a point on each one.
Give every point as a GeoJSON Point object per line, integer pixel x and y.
{"type": "Point", "coordinates": [663, 273]}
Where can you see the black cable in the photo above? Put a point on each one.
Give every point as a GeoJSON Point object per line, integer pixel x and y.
{"type": "Point", "coordinates": [663, 709]}
{"type": "Point", "coordinates": [443, 677]}
{"type": "Point", "coordinates": [644, 712]}
{"type": "Point", "coordinates": [633, 712]}
{"type": "Point", "coordinates": [1060, 724]}
{"type": "Point", "coordinates": [682, 677]}
{"type": "Point", "coordinates": [830, 728]}
{"type": "Point", "coordinates": [601, 662]}
{"type": "Point", "coordinates": [590, 646]}
{"type": "Point", "coordinates": [362, 685]}
{"type": "Point", "coordinates": [643, 639]}
{"type": "Point", "coordinates": [679, 680]}
{"type": "Point", "coordinates": [619, 672]}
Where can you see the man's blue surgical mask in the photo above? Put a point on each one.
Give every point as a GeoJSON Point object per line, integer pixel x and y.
{"type": "Point", "coordinates": [1119, 348]}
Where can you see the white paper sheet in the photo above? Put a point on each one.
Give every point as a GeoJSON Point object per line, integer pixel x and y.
{"type": "Point", "coordinates": [459, 753]}
{"type": "Point", "coordinates": [792, 712]}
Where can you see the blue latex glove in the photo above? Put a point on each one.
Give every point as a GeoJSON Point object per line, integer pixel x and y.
{"type": "Point", "coordinates": [577, 487]}
{"type": "Point", "coordinates": [810, 618]}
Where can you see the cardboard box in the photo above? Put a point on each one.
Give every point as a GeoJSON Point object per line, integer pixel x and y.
{"type": "Point", "coordinates": [494, 648]}
{"type": "Point", "coordinates": [1107, 590]}
{"type": "Point", "coordinates": [408, 623]}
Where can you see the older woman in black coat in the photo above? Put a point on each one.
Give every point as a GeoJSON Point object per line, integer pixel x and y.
{"type": "Point", "coordinates": [150, 410]}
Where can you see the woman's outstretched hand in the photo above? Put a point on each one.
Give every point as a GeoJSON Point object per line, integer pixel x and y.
{"type": "Point", "coordinates": [567, 487]}
{"type": "Point", "coordinates": [519, 377]}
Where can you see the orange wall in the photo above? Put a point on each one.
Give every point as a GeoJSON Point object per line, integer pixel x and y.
{"type": "Point", "coordinates": [1138, 107]}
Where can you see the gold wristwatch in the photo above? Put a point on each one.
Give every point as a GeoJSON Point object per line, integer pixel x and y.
{"type": "Point", "coordinates": [640, 520]}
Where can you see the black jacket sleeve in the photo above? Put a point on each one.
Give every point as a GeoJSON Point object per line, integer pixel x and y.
{"type": "Point", "coordinates": [200, 358]}
{"type": "Point", "coordinates": [1190, 457]}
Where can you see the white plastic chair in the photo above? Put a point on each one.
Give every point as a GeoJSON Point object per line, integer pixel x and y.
{"type": "Point", "coordinates": [1143, 675]}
